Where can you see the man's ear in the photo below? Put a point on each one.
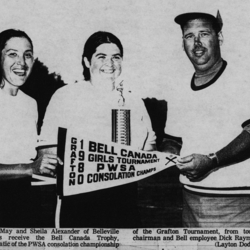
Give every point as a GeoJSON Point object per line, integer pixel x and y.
{"type": "Point", "coordinates": [86, 61]}
{"type": "Point", "coordinates": [182, 44]}
{"type": "Point", "coordinates": [220, 38]}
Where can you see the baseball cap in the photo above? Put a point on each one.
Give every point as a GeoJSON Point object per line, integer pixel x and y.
{"type": "Point", "coordinates": [184, 18]}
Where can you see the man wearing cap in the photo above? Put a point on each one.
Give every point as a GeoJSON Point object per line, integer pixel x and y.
{"type": "Point", "coordinates": [207, 114]}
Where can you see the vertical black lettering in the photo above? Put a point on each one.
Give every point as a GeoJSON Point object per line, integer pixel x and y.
{"type": "Point", "coordinates": [81, 142]}
{"type": "Point", "coordinates": [81, 155]}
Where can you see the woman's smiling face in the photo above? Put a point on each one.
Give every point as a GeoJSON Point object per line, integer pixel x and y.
{"type": "Point", "coordinates": [106, 62]}
{"type": "Point", "coordinates": [16, 61]}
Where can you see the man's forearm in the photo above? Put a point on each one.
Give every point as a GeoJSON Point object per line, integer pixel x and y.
{"type": "Point", "coordinates": [236, 151]}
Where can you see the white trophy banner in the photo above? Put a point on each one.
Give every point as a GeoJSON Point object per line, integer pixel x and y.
{"type": "Point", "coordinates": [90, 165]}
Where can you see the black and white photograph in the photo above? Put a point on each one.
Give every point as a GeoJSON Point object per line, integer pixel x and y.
{"type": "Point", "coordinates": [125, 124]}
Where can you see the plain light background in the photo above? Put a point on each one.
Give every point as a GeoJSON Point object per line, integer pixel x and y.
{"type": "Point", "coordinates": [153, 54]}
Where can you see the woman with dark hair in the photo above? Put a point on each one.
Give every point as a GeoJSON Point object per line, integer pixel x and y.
{"type": "Point", "coordinates": [92, 43]}
{"type": "Point", "coordinates": [18, 134]}
{"type": "Point", "coordinates": [86, 107]}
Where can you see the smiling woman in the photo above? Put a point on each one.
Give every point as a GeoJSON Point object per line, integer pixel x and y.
{"type": "Point", "coordinates": [104, 64]}
{"type": "Point", "coordinates": [17, 62]}
{"type": "Point", "coordinates": [88, 108]}
{"type": "Point", "coordinates": [18, 135]}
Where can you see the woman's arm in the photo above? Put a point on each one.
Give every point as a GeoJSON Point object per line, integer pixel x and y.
{"type": "Point", "coordinates": [45, 164]}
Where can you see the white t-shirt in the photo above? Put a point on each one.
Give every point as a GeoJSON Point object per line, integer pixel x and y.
{"type": "Point", "coordinates": [18, 133]}
{"type": "Point", "coordinates": [85, 109]}
{"type": "Point", "coordinates": [207, 120]}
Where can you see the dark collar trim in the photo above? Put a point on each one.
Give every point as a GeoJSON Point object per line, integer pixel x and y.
{"type": "Point", "coordinates": [195, 88]}
{"type": "Point", "coordinates": [246, 123]}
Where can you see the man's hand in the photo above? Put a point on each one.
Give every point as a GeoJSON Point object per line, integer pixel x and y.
{"type": "Point", "coordinates": [195, 166]}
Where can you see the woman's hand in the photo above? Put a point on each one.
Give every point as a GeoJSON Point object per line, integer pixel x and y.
{"type": "Point", "coordinates": [46, 164]}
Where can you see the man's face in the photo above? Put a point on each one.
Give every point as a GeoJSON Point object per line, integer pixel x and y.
{"type": "Point", "coordinates": [201, 44]}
